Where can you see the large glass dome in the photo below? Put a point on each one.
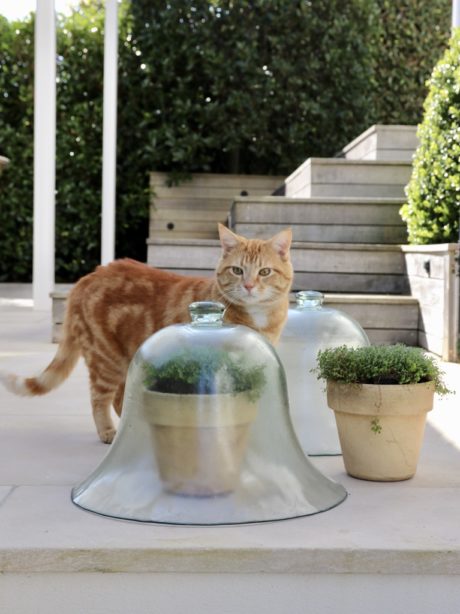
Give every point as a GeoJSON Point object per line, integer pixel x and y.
{"type": "Point", "coordinates": [311, 327]}
{"type": "Point", "coordinates": [205, 435]}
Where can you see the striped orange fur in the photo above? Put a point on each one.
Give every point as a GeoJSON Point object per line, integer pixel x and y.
{"type": "Point", "coordinates": [111, 311]}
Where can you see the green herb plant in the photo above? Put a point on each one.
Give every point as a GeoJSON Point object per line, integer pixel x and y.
{"type": "Point", "coordinates": [384, 364]}
{"type": "Point", "coordinates": [204, 370]}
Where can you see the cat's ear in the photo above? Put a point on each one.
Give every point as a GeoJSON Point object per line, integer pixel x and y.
{"type": "Point", "coordinates": [281, 242]}
{"type": "Point", "coordinates": [228, 239]}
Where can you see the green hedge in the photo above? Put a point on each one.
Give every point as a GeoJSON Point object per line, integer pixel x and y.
{"type": "Point", "coordinates": [251, 86]}
{"type": "Point", "coordinates": [217, 85]}
{"type": "Point", "coordinates": [412, 35]}
{"type": "Point", "coordinates": [16, 142]}
{"type": "Point", "coordinates": [78, 143]}
{"type": "Point", "coordinates": [433, 194]}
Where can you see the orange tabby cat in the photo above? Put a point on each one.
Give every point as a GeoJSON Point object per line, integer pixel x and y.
{"type": "Point", "coordinates": [111, 311]}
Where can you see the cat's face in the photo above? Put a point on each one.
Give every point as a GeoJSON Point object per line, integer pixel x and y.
{"type": "Point", "coordinates": [253, 271]}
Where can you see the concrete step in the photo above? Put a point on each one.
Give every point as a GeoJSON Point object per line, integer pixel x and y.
{"type": "Point", "coordinates": [341, 177]}
{"type": "Point", "coordinates": [381, 142]}
{"type": "Point", "coordinates": [327, 267]}
{"type": "Point", "coordinates": [327, 220]}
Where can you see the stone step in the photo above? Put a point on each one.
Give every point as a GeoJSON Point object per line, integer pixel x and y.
{"type": "Point", "coordinates": [381, 142]}
{"type": "Point", "coordinates": [340, 177]}
{"type": "Point", "coordinates": [327, 267]}
{"type": "Point", "coordinates": [327, 220]}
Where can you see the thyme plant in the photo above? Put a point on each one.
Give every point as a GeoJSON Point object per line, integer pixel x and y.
{"type": "Point", "coordinates": [379, 364]}
{"type": "Point", "coordinates": [204, 370]}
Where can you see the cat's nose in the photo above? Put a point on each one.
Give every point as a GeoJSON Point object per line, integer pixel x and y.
{"type": "Point", "coordinates": [249, 285]}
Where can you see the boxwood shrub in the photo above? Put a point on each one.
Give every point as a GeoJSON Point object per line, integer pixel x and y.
{"type": "Point", "coordinates": [433, 193]}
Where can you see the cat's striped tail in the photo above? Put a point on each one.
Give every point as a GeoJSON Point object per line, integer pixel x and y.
{"type": "Point", "coordinates": [55, 373]}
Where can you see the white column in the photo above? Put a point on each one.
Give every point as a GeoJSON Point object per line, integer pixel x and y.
{"type": "Point", "coordinates": [109, 148]}
{"type": "Point", "coordinates": [455, 13]}
{"type": "Point", "coordinates": [44, 153]}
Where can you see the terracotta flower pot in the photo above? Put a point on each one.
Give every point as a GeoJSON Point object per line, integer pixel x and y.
{"type": "Point", "coordinates": [380, 427]}
{"type": "Point", "coordinates": [199, 440]}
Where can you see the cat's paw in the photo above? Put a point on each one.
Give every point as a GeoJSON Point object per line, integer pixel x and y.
{"type": "Point", "coordinates": [107, 435]}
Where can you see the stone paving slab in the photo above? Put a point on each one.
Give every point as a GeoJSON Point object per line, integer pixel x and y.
{"type": "Point", "coordinates": [49, 444]}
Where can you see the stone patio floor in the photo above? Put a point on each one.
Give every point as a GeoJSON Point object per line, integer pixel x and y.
{"type": "Point", "coordinates": [391, 547]}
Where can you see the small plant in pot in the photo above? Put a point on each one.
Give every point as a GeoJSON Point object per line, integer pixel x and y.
{"type": "Point", "coordinates": [200, 404]}
{"type": "Point", "coordinates": [380, 396]}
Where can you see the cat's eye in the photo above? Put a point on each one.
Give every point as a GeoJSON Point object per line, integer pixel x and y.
{"type": "Point", "coordinates": [237, 270]}
{"type": "Point", "coordinates": [264, 272]}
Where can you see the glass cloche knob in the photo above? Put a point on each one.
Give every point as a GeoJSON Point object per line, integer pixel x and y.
{"type": "Point", "coordinates": [309, 299]}
{"type": "Point", "coordinates": [206, 313]}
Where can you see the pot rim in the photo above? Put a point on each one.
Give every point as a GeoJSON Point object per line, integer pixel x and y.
{"type": "Point", "coordinates": [380, 399]}
{"type": "Point", "coordinates": [196, 410]}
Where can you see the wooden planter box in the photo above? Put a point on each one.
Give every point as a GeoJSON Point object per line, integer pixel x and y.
{"type": "Point", "coordinates": [433, 276]}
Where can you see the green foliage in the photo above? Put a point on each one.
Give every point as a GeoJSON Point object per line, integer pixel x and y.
{"type": "Point", "coordinates": [251, 87]}
{"type": "Point", "coordinates": [432, 208]}
{"type": "Point", "coordinates": [79, 142]}
{"type": "Point", "coordinates": [204, 370]}
{"type": "Point", "coordinates": [78, 150]}
{"type": "Point", "coordinates": [215, 85]}
{"type": "Point", "coordinates": [16, 143]}
{"type": "Point", "coordinates": [412, 35]}
{"type": "Point", "coordinates": [379, 364]}
{"type": "Point", "coordinates": [376, 427]}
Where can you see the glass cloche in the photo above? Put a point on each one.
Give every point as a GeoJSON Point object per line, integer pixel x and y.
{"type": "Point", "coordinates": [205, 436]}
{"type": "Point", "coordinates": [311, 327]}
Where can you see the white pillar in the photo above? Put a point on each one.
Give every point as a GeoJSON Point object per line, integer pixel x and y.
{"type": "Point", "coordinates": [44, 153]}
{"type": "Point", "coordinates": [109, 148]}
{"type": "Point", "coordinates": [455, 13]}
